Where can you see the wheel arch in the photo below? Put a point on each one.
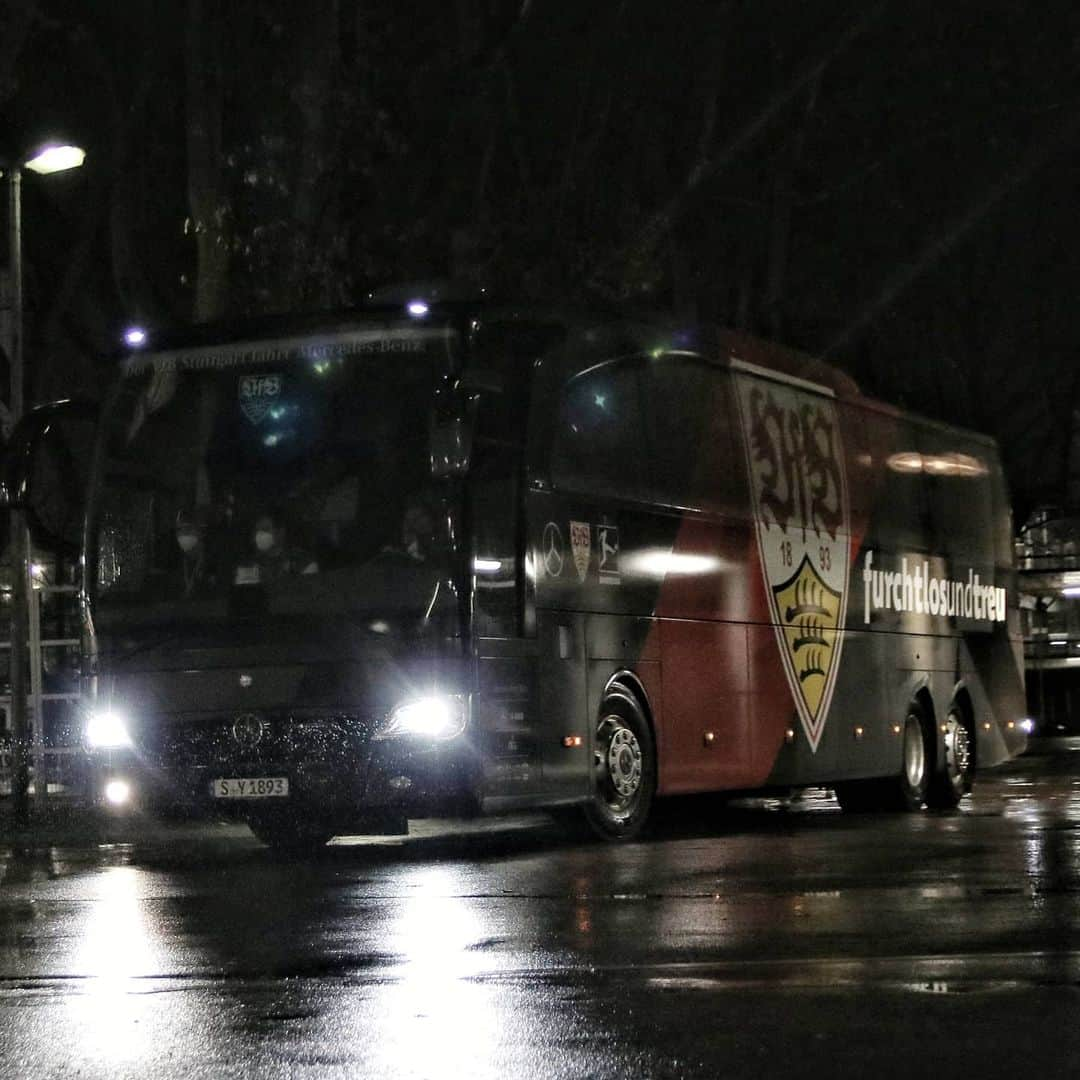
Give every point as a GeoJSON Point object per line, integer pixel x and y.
{"type": "Point", "coordinates": [625, 683]}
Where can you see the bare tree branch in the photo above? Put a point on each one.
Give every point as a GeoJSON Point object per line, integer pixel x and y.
{"type": "Point", "coordinates": [955, 231]}
{"type": "Point", "coordinates": [709, 166]}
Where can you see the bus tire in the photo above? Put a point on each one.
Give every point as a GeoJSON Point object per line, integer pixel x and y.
{"type": "Point", "coordinates": [624, 773]}
{"type": "Point", "coordinates": [955, 778]}
{"type": "Point", "coordinates": [907, 790]}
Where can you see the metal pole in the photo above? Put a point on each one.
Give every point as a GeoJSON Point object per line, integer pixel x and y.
{"type": "Point", "coordinates": [37, 714]}
{"type": "Point", "coordinates": [20, 541]}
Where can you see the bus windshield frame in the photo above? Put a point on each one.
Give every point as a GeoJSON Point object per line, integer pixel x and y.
{"type": "Point", "coordinates": [275, 477]}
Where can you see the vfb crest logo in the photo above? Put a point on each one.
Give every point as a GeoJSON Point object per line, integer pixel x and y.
{"type": "Point", "coordinates": [799, 491]}
{"type": "Point", "coordinates": [257, 394]}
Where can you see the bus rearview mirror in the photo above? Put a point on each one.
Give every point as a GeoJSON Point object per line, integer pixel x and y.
{"type": "Point", "coordinates": [47, 469]}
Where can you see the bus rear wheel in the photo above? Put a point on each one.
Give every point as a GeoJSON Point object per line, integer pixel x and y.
{"type": "Point", "coordinates": [955, 778]}
{"type": "Point", "coordinates": [906, 790]}
{"type": "Point", "coordinates": [624, 770]}
{"type": "Point", "coordinates": [910, 787]}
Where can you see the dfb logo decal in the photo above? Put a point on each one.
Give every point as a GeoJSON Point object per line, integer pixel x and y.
{"type": "Point", "coordinates": [799, 491]}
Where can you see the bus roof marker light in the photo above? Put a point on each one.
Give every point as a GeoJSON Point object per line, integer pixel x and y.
{"type": "Point", "coordinates": [418, 309]}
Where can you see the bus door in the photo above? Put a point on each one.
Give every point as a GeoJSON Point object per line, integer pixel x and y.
{"type": "Point", "coordinates": [513, 735]}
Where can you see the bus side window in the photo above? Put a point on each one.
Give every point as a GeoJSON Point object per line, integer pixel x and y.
{"type": "Point", "coordinates": [598, 445]}
{"type": "Point", "coordinates": [900, 518]}
{"type": "Point", "coordinates": [958, 478]}
{"type": "Point", "coordinates": [689, 408]}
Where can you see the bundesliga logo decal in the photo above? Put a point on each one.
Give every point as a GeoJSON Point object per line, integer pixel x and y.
{"type": "Point", "coordinates": [799, 492]}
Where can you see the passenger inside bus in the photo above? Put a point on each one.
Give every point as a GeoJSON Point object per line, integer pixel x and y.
{"type": "Point", "coordinates": [277, 554]}
{"type": "Point", "coordinates": [191, 539]}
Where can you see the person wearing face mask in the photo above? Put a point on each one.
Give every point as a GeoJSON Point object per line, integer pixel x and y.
{"type": "Point", "coordinates": [190, 538]}
{"type": "Point", "coordinates": [274, 556]}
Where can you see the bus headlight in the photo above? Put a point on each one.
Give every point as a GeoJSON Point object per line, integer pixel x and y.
{"type": "Point", "coordinates": [107, 729]}
{"type": "Point", "coordinates": [438, 716]}
{"type": "Point", "coordinates": [117, 792]}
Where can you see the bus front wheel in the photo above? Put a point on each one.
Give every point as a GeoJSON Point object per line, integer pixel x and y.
{"type": "Point", "coordinates": [624, 770]}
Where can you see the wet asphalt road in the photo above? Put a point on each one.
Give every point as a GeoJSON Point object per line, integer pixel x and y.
{"type": "Point", "coordinates": [751, 940]}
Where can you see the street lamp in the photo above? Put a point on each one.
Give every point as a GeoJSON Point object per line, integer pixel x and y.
{"type": "Point", "coordinates": [56, 157]}
{"type": "Point", "coordinates": [49, 158]}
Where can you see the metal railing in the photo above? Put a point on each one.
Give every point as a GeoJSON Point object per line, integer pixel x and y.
{"type": "Point", "coordinates": [58, 764]}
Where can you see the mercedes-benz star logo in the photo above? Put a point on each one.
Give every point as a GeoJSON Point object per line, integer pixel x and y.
{"type": "Point", "coordinates": [247, 730]}
{"type": "Point", "coordinates": [553, 549]}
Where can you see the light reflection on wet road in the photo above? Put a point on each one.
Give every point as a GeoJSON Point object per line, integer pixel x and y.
{"type": "Point", "coordinates": [751, 940]}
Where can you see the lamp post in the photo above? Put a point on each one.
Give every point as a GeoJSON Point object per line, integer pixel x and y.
{"type": "Point", "coordinates": [53, 157]}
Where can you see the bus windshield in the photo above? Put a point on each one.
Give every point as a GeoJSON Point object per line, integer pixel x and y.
{"type": "Point", "coordinates": [288, 477]}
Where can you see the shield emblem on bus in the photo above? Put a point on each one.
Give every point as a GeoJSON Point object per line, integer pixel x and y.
{"type": "Point", "coordinates": [257, 394]}
{"type": "Point", "coordinates": [581, 546]}
{"type": "Point", "coordinates": [798, 486]}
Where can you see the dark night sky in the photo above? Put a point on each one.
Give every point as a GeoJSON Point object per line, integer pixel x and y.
{"type": "Point", "coordinates": [894, 185]}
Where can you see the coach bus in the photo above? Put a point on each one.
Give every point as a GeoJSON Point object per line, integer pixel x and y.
{"type": "Point", "coordinates": [440, 556]}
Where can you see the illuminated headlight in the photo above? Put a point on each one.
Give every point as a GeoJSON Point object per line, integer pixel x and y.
{"type": "Point", "coordinates": [1027, 725]}
{"type": "Point", "coordinates": [118, 792]}
{"type": "Point", "coordinates": [107, 729]}
{"type": "Point", "coordinates": [440, 716]}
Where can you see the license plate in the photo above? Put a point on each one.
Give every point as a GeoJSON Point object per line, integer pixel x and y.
{"type": "Point", "coordinates": [250, 787]}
